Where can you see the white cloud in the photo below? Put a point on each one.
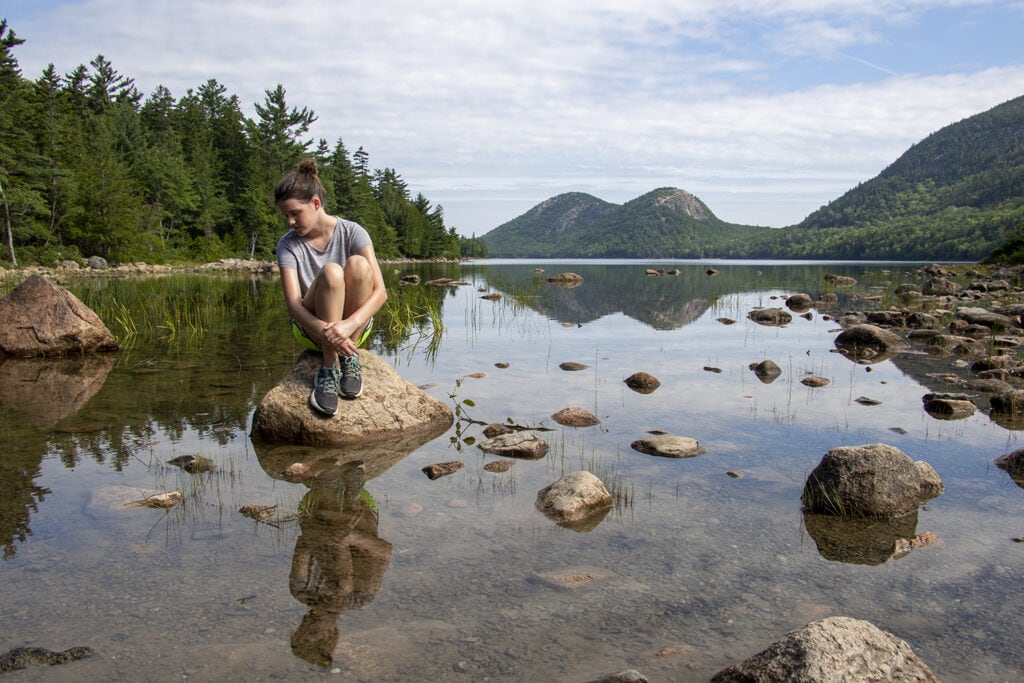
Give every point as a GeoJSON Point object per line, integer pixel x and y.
{"type": "Point", "coordinates": [502, 104]}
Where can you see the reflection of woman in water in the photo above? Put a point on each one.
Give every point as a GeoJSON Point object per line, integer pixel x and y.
{"type": "Point", "coordinates": [339, 560]}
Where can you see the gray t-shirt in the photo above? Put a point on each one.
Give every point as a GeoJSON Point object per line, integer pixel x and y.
{"type": "Point", "coordinates": [294, 252]}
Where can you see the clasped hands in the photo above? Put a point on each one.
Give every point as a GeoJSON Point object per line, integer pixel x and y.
{"type": "Point", "coordinates": [339, 335]}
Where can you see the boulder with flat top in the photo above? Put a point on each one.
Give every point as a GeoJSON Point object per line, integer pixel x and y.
{"type": "Point", "coordinates": [388, 408]}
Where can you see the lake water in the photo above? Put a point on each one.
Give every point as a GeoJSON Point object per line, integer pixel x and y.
{"type": "Point", "coordinates": [461, 578]}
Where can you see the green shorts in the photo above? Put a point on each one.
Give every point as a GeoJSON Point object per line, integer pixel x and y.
{"type": "Point", "coordinates": [306, 341]}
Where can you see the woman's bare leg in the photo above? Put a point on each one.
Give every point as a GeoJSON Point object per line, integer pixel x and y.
{"type": "Point", "coordinates": [326, 299]}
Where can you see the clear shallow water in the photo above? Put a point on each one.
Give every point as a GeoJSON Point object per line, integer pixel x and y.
{"type": "Point", "coordinates": [458, 578]}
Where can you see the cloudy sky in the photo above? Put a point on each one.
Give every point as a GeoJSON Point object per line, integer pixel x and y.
{"type": "Point", "coordinates": [765, 109]}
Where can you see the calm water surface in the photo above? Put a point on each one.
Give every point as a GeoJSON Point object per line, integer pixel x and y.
{"type": "Point", "coordinates": [461, 578]}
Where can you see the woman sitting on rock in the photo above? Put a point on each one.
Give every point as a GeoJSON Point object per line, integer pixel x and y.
{"type": "Point", "coordinates": [332, 284]}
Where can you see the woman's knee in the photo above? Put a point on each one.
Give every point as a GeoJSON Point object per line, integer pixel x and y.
{"type": "Point", "coordinates": [332, 273]}
{"type": "Point", "coordinates": [357, 269]}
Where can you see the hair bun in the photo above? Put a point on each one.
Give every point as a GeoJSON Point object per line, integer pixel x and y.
{"type": "Point", "coordinates": [308, 166]}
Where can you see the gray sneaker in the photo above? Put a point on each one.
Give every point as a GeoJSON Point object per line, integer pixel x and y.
{"type": "Point", "coordinates": [324, 397]}
{"type": "Point", "coordinates": [351, 384]}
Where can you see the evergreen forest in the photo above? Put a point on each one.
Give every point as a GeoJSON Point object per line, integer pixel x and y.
{"type": "Point", "coordinates": [91, 166]}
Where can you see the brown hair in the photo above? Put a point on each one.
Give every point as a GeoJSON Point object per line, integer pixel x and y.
{"type": "Point", "coordinates": [303, 184]}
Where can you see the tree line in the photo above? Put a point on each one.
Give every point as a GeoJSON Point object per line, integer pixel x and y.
{"type": "Point", "coordinates": [88, 166]}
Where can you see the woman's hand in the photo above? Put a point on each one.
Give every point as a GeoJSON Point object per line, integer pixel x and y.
{"type": "Point", "coordinates": [339, 335]}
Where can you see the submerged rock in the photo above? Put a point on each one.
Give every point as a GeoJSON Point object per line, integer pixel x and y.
{"type": "Point", "coordinates": [668, 446]}
{"type": "Point", "coordinates": [166, 499]}
{"type": "Point", "coordinates": [193, 464]}
{"type": "Point", "coordinates": [24, 657]}
{"type": "Point", "coordinates": [833, 649]}
{"type": "Point", "coordinates": [627, 676]}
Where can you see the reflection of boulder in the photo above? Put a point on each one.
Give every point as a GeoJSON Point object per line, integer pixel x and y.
{"type": "Point", "coordinates": [389, 407]}
{"type": "Point", "coordinates": [307, 463]}
{"type": "Point", "coordinates": [856, 540]}
{"type": "Point", "coordinates": [39, 318]}
{"type": "Point", "coordinates": [46, 391]}
{"type": "Point", "coordinates": [1013, 464]}
{"type": "Point", "coordinates": [1008, 409]}
{"type": "Point", "coordinates": [567, 280]}
{"type": "Point", "coordinates": [833, 649]}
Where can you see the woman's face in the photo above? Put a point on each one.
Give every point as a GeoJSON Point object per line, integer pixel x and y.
{"type": "Point", "coordinates": [300, 216]}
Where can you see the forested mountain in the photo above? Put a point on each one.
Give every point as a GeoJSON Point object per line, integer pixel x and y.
{"type": "Point", "coordinates": [957, 194]}
{"type": "Point", "coordinates": [664, 223]}
{"type": "Point", "coordinates": [89, 166]}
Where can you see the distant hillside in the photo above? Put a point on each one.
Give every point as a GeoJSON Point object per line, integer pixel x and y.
{"type": "Point", "coordinates": [957, 195]}
{"type": "Point", "coordinates": [664, 223]}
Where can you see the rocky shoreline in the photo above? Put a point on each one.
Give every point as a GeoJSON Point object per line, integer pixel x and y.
{"type": "Point", "coordinates": [97, 267]}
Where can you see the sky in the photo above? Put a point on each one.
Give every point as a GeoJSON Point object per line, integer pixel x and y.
{"type": "Point", "coordinates": [764, 109]}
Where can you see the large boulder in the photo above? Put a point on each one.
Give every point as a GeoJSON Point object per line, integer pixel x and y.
{"type": "Point", "coordinates": [39, 318]}
{"type": "Point", "coordinates": [833, 649]}
{"type": "Point", "coordinates": [389, 407]}
{"type": "Point", "coordinates": [874, 480]}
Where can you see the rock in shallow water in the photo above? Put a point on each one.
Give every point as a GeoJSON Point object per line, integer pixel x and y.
{"type": "Point", "coordinates": [516, 445]}
{"type": "Point", "coordinates": [668, 446]}
{"type": "Point", "coordinates": [833, 649]}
